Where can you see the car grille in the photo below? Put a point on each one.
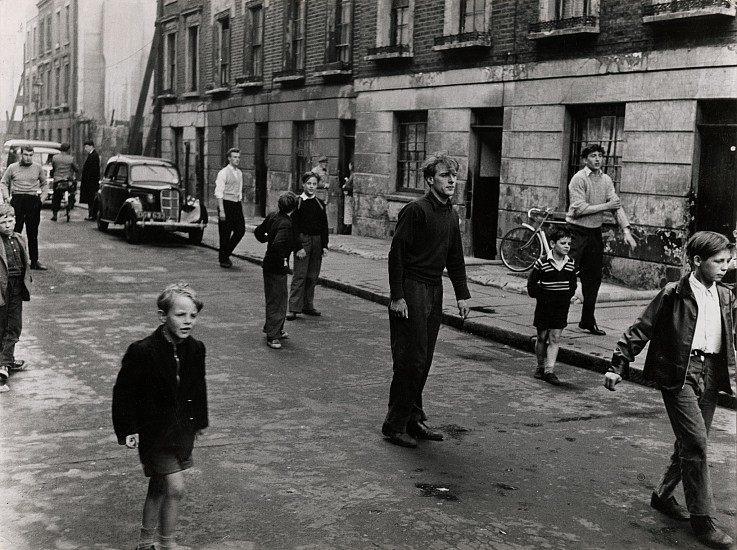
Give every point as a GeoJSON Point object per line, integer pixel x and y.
{"type": "Point", "coordinates": [170, 204]}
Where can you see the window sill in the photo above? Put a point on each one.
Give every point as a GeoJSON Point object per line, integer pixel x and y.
{"type": "Point", "coordinates": [290, 76]}
{"type": "Point", "coordinates": [190, 95]}
{"type": "Point", "coordinates": [576, 26]}
{"type": "Point", "coordinates": [679, 10]}
{"type": "Point", "coordinates": [222, 90]}
{"type": "Point", "coordinates": [462, 41]}
{"type": "Point", "coordinates": [244, 82]}
{"type": "Point", "coordinates": [388, 52]}
{"type": "Point", "coordinates": [335, 68]}
{"type": "Point", "coordinates": [167, 96]}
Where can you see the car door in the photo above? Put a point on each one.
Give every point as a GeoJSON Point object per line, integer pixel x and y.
{"type": "Point", "coordinates": [106, 190]}
{"type": "Point", "coordinates": [119, 190]}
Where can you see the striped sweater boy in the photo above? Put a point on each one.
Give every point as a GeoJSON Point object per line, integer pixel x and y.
{"type": "Point", "coordinates": [551, 280]}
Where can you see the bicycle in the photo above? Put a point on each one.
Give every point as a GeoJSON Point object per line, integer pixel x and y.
{"type": "Point", "coordinates": [523, 245]}
{"type": "Point", "coordinates": [69, 186]}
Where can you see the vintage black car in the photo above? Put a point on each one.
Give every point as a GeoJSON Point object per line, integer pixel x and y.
{"type": "Point", "coordinates": [146, 193]}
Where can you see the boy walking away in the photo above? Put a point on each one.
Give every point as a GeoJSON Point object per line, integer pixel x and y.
{"type": "Point", "coordinates": [275, 267]}
{"type": "Point", "coordinates": [689, 327]}
{"type": "Point", "coordinates": [160, 406]}
{"type": "Point", "coordinates": [311, 232]}
{"type": "Point", "coordinates": [552, 282]}
{"type": "Point", "coordinates": [15, 285]}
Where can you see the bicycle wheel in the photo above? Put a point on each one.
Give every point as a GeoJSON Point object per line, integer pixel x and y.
{"type": "Point", "coordinates": [519, 249]}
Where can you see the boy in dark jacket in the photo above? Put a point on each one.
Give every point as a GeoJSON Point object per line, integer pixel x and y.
{"type": "Point", "coordinates": [160, 405]}
{"type": "Point", "coordinates": [275, 268]}
{"type": "Point", "coordinates": [689, 327]}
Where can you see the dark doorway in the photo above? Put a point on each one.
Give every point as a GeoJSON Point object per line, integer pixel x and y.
{"type": "Point", "coordinates": [715, 207]}
{"type": "Point", "coordinates": [201, 192]}
{"type": "Point", "coordinates": [485, 170]}
{"type": "Point", "coordinates": [260, 167]}
{"type": "Point", "coordinates": [347, 147]}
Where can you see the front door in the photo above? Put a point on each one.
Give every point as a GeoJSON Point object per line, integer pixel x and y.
{"type": "Point", "coordinates": [485, 192]}
{"type": "Point", "coordinates": [716, 196]}
{"type": "Point", "coordinates": [260, 167]}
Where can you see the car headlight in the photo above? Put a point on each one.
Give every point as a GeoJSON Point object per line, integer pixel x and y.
{"type": "Point", "coordinates": [150, 198]}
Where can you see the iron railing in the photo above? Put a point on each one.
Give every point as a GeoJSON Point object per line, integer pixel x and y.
{"type": "Point", "coordinates": [463, 38]}
{"type": "Point", "coordinates": [562, 24]}
{"type": "Point", "coordinates": [677, 6]}
{"type": "Point", "coordinates": [395, 49]}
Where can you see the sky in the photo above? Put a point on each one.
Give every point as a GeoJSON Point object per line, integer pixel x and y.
{"type": "Point", "coordinates": [13, 16]}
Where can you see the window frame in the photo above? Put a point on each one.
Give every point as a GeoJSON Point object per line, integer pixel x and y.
{"type": "Point", "coordinates": [304, 139]}
{"type": "Point", "coordinates": [170, 62]}
{"type": "Point", "coordinates": [409, 160]}
{"type": "Point", "coordinates": [192, 83]}
{"type": "Point", "coordinates": [223, 50]}
{"type": "Point", "coordinates": [295, 35]}
{"type": "Point", "coordinates": [253, 54]}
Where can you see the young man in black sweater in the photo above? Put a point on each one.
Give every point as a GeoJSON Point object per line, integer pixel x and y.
{"type": "Point", "coordinates": [426, 240]}
{"type": "Point", "coordinates": [310, 224]}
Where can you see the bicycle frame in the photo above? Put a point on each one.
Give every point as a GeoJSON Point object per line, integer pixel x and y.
{"type": "Point", "coordinates": [538, 231]}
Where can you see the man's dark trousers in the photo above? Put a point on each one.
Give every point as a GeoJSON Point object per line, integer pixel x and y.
{"type": "Point", "coordinates": [587, 250]}
{"type": "Point", "coordinates": [28, 211]}
{"type": "Point", "coordinates": [277, 294]}
{"type": "Point", "coordinates": [11, 320]}
{"type": "Point", "coordinates": [231, 229]}
{"type": "Point", "coordinates": [413, 345]}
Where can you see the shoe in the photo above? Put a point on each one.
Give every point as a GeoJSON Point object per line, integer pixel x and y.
{"type": "Point", "coordinates": [312, 312]}
{"type": "Point", "coordinates": [17, 365]}
{"type": "Point", "coordinates": [291, 316]}
{"type": "Point", "coordinates": [89, 219]}
{"type": "Point", "coordinates": [3, 372]}
{"type": "Point", "coordinates": [398, 438]}
{"type": "Point", "coordinates": [4, 388]}
{"type": "Point", "coordinates": [550, 378]}
{"type": "Point", "coordinates": [540, 373]}
{"type": "Point", "coordinates": [53, 218]}
{"type": "Point", "coordinates": [669, 507]}
{"type": "Point", "coordinates": [226, 264]}
{"type": "Point", "coordinates": [708, 533]}
{"type": "Point", "coordinates": [274, 343]}
{"type": "Point", "coordinates": [593, 329]}
{"type": "Point", "coordinates": [283, 334]}
{"type": "Point", "coordinates": [38, 266]}
{"type": "Point", "coordinates": [421, 431]}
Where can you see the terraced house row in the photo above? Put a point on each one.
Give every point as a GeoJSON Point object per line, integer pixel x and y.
{"type": "Point", "coordinates": [513, 89]}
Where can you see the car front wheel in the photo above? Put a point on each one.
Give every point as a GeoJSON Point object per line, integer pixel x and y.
{"type": "Point", "coordinates": [101, 225]}
{"type": "Point", "coordinates": [133, 233]}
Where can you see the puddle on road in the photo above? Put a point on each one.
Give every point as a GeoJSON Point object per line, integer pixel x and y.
{"type": "Point", "coordinates": [437, 491]}
{"type": "Point", "coordinates": [454, 431]}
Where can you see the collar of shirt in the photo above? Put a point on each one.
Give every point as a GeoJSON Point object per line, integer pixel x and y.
{"type": "Point", "coordinates": [558, 264]}
{"type": "Point", "coordinates": [589, 171]}
{"type": "Point", "coordinates": [233, 169]}
{"type": "Point", "coordinates": [436, 202]}
{"type": "Point", "coordinates": [699, 287]}
{"type": "Point", "coordinates": [304, 197]}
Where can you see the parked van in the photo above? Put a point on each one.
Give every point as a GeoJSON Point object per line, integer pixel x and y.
{"type": "Point", "coordinates": [43, 154]}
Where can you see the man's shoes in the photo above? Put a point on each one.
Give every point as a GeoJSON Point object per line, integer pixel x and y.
{"type": "Point", "coordinates": [550, 378]}
{"type": "Point", "coordinates": [53, 218]}
{"type": "Point", "coordinates": [669, 507]}
{"type": "Point", "coordinates": [593, 329]}
{"type": "Point", "coordinates": [273, 343]}
{"type": "Point", "coordinates": [312, 312]}
{"type": "Point", "coordinates": [709, 534]}
{"type": "Point", "coordinates": [421, 431]}
{"type": "Point", "coordinates": [3, 372]}
{"type": "Point", "coordinates": [226, 264]}
{"type": "Point", "coordinates": [38, 266]}
{"type": "Point", "coordinates": [291, 316]}
{"type": "Point", "coordinates": [540, 373]}
{"type": "Point", "coordinates": [283, 334]}
{"type": "Point", "coordinates": [398, 438]}
{"type": "Point", "coordinates": [17, 365]}
{"type": "Point", "coordinates": [4, 387]}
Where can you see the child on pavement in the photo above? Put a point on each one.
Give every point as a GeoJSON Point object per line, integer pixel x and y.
{"type": "Point", "coordinates": [552, 282]}
{"type": "Point", "coordinates": [160, 406]}
{"type": "Point", "coordinates": [15, 284]}
{"type": "Point", "coordinates": [275, 267]}
{"type": "Point", "coordinates": [691, 353]}
{"type": "Point", "coordinates": [311, 233]}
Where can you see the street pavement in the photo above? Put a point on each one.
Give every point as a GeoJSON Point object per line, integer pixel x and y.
{"type": "Point", "coordinates": [501, 309]}
{"type": "Point", "coordinates": [294, 458]}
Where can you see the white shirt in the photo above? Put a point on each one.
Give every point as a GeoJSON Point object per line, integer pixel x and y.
{"type": "Point", "coordinates": [707, 336]}
{"type": "Point", "coordinates": [555, 263]}
{"type": "Point", "coordinates": [229, 184]}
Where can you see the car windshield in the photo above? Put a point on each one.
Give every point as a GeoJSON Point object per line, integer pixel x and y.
{"type": "Point", "coordinates": [144, 172]}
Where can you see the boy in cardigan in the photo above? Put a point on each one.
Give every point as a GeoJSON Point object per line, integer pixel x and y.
{"type": "Point", "coordinates": [311, 233]}
{"type": "Point", "coordinates": [552, 282]}
{"type": "Point", "coordinates": [15, 284]}
{"type": "Point", "coordinates": [691, 353]}
{"type": "Point", "coordinates": [160, 406]}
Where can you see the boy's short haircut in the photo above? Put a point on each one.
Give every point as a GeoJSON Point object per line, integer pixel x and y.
{"type": "Point", "coordinates": [233, 150]}
{"type": "Point", "coordinates": [27, 148]}
{"type": "Point", "coordinates": [64, 147]}
{"type": "Point", "coordinates": [595, 148]}
{"type": "Point", "coordinates": [287, 202]}
{"type": "Point", "coordinates": [89, 142]}
{"type": "Point", "coordinates": [6, 210]}
{"type": "Point", "coordinates": [307, 175]}
{"type": "Point", "coordinates": [706, 244]}
{"type": "Point", "coordinates": [428, 167]}
{"type": "Point", "coordinates": [557, 232]}
{"type": "Point", "coordinates": [166, 298]}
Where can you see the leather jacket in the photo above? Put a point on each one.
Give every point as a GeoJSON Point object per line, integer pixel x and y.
{"type": "Point", "coordinates": [668, 323]}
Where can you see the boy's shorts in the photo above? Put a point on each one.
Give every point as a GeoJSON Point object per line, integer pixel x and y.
{"type": "Point", "coordinates": [163, 463]}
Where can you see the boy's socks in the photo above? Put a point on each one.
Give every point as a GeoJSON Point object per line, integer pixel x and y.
{"type": "Point", "coordinates": [548, 370]}
{"type": "Point", "coordinates": [167, 543]}
{"type": "Point", "coordinates": [146, 538]}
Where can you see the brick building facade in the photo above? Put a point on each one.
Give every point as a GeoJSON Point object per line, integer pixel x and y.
{"type": "Point", "coordinates": [513, 90]}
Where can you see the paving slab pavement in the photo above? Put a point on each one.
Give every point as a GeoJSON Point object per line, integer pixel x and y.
{"type": "Point", "coordinates": [500, 307]}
